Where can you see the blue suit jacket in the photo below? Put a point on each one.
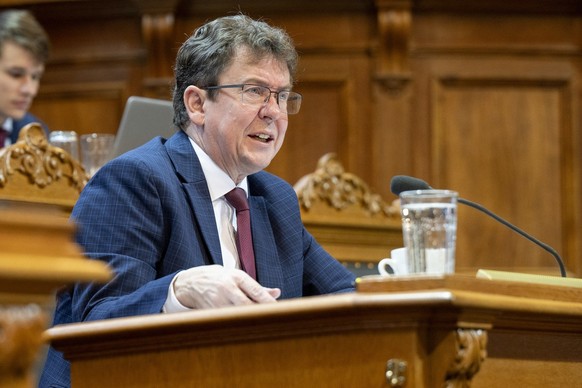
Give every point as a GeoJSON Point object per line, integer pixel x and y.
{"type": "Point", "coordinates": [148, 214]}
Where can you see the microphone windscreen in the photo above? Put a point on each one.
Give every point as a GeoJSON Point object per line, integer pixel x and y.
{"type": "Point", "coordinates": [400, 183]}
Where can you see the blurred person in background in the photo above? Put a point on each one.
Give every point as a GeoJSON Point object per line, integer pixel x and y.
{"type": "Point", "coordinates": [24, 50]}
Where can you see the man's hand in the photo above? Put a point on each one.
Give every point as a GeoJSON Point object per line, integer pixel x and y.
{"type": "Point", "coordinates": [215, 286]}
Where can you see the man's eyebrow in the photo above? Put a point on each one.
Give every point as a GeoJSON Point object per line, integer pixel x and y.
{"type": "Point", "coordinates": [254, 81]}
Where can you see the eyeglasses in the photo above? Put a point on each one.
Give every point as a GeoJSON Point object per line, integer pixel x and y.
{"type": "Point", "coordinates": [258, 96]}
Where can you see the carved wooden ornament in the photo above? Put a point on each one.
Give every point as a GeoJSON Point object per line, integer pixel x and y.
{"type": "Point", "coordinates": [33, 170]}
{"type": "Point", "coordinates": [471, 352]}
{"type": "Point", "coordinates": [330, 183]}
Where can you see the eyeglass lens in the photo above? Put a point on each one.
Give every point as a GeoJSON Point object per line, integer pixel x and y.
{"type": "Point", "coordinates": [289, 102]}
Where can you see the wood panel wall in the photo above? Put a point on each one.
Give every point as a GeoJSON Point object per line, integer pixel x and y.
{"type": "Point", "coordinates": [483, 97]}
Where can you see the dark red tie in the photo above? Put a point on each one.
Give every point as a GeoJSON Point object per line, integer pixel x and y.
{"type": "Point", "coordinates": [3, 136]}
{"type": "Point", "coordinates": [244, 239]}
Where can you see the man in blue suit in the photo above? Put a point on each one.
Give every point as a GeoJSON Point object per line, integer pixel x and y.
{"type": "Point", "coordinates": [24, 49]}
{"type": "Point", "coordinates": [158, 214]}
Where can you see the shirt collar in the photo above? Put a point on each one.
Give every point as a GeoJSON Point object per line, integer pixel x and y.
{"type": "Point", "coordinates": [218, 181]}
{"type": "Point", "coordinates": [7, 124]}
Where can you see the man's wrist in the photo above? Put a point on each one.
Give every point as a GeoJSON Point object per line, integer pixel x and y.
{"type": "Point", "coordinates": [172, 304]}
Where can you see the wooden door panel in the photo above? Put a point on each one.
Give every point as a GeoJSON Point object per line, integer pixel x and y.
{"type": "Point", "coordinates": [498, 138]}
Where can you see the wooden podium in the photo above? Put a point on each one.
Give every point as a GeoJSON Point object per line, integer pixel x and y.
{"type": "Point", "coordinates": [421, 332]}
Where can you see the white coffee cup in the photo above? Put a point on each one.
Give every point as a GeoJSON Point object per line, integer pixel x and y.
{"type": "Point", "coordinates": [397, 263]}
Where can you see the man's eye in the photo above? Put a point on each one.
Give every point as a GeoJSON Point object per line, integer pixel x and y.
{"type": "Point", "coordinates": [16, 73]}
{"type": "Point", "coordinates": [283, 96]}
{"type": "Point", "coordinates": [256, 91]}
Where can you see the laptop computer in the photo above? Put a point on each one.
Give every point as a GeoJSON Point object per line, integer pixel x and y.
{"type": "Point", "coordinates": [143, 119]}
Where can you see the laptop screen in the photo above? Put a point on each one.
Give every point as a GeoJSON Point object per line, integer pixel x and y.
{"type": "Point", "coordinates": [143, 119]}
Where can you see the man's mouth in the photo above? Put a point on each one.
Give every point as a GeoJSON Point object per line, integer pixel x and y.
{"type": "Point", "coordinates": [21, 105]}
{"type": "Point", "coordinates": [262, 137]}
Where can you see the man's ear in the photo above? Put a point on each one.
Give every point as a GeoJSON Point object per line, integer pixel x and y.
{"type": "Point", "coordinates": [194, 98]}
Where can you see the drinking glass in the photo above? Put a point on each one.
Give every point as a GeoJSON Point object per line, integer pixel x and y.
{"type": "Point", "coordinates": [429, 228]}
{"type": "Point", "coordinates": [66, 140]}
{"type": "Point", "coordinates": [95, 150]}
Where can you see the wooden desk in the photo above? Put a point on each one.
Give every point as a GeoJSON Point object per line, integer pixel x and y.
{"type": "Point", "coordinates": [443, 331]}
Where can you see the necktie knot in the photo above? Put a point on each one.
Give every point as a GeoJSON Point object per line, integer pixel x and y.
{"type": "Point", "coordinates": [238, 199]}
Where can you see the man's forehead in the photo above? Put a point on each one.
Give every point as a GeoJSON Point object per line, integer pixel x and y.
{"type": "Point", "coordinates": [245, 59]}
{"type": "Point", "coordinates": [246, 56]}
{"type": "Point", "coordinates": [14, 55]}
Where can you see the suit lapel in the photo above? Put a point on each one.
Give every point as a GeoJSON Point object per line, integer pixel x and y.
{"type": "Point", "coordinates": [188, 168]}
{"type": "Point", "coordinates": [269, 270]}
{"type": "Point", "coordinates": [204, 213]}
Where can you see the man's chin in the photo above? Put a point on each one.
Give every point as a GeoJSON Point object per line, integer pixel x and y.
{"type": "Point", "coordinates": [17, 115]}
{"type": "Point", "coordinates": [256, 166]}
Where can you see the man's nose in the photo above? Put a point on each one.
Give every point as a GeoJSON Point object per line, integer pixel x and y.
{"type": "Point", "coordinates": [29, 85]}
{"type": "Point", "coordinates": [271, 108]}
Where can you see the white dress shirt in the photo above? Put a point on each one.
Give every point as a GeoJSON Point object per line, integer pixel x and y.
{"type": "Point", "coordinates": [7, 126]}
{"type": "Point", "coordinates": [219, 183]}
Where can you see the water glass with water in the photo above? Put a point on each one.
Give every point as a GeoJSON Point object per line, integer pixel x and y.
{"type": "Point", "coordinates": [429, 228]}
{"type": "Point", "coordinates": [95, 150]}
{"type": "Point", "coordinates": [66, 140]}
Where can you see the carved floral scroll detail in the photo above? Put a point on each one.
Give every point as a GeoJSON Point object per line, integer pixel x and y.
{"type": "Point", "coordinates": [471, 352]}
{"type": "Point", "coordinates": [330, 183]}
{"type": "Point", "coordinates": [42, 163]}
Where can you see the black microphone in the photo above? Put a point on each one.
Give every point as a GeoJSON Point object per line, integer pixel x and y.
{"type": "Point", "coordinates": [400, 183]}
